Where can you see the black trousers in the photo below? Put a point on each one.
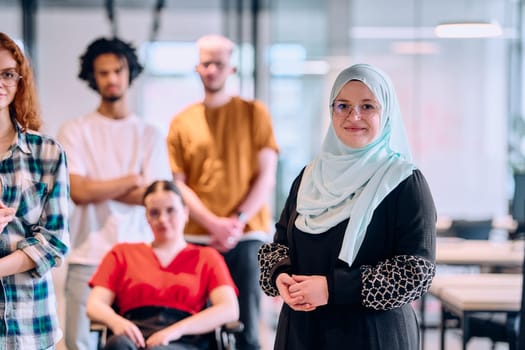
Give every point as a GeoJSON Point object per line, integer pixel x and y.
{"type": "Point", "coordinates": [150, 319]}
{"type": "Point", "coordinates": [244, 268]}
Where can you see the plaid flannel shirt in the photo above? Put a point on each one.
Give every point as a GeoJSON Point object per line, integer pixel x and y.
{"type": "Point", "coordinates": [34, 180]}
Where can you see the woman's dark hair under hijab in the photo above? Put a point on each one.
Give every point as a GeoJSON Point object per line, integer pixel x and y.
{"type": "Point", "coordinates": [162, 185]}
{"type": "Point", "coordinates": [103, 46]}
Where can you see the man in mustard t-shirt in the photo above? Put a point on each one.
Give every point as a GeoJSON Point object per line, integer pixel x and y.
{"type": "Point", "coordinates": [223, 155]}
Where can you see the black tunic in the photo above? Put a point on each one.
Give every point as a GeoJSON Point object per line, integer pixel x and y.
{"type": "Point", "coordinates": [369, 302]}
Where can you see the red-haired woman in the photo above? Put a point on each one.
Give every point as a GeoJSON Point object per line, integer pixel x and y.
{"type": "Point", "coordinates": [33, 210]}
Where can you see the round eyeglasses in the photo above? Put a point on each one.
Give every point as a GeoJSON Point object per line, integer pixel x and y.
{"type": "Point", "coordinates": [9, 78]}
{"type": "Point", "coordinates": [343, 109]}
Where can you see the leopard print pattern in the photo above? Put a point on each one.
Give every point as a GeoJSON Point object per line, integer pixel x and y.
{"type": "Point", "coordinates": [396, 282]}
{"type": "Point", "coordinates": [270, 254]}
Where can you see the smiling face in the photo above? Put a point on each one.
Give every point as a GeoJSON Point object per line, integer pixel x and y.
{"type": "Point", "coordinates": [166, 215]}
{"type": "Point", "coordinates": [356, 115]}
{"type": "Point", "coordinates": [111, 75]}
{"type": "Point", "coordinates": [7, 93]}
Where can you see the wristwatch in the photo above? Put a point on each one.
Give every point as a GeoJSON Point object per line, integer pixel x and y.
{"type": "Point", "coordinates": [242, 216]}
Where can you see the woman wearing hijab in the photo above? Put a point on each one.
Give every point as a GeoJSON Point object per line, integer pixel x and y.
{"type": "Point", "coordinates": [355, 243]}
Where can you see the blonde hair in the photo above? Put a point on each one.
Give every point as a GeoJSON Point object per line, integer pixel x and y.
{"type": "Point", "coordinates": [215, 42]}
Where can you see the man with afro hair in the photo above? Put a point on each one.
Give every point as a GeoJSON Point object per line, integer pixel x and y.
{"type": "Point", "coordinates": [113, 155]}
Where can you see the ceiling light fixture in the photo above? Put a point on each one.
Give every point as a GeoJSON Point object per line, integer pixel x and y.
{"type": "Point", "coordinates": [468, 30]}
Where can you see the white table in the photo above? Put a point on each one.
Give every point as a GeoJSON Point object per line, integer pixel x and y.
{"type": "Point", "coordinates": [457, 251]}
{"type": "Point", "coordinates": [475, 281]}
{"type": "Point", "coordinates": [483, 253]}
{"type": "Point", "coordinates": [463, 295]}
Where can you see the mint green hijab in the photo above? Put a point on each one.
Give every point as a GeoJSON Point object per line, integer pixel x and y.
{"type": "Point", "coordinates": [343, 182]}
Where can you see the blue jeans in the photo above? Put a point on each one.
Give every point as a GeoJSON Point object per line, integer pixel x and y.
{"type": "Point", "coordinates": [244, 268]}
{"type": "Point", "coordinates": [78, 336]}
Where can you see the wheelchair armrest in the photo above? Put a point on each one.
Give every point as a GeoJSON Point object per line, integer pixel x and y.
{"type": "Point", "coordinates": [233, 327]}
{"type": "Point", "coordinates": [225, 335]}
{"type": "Point", "coordinates": [225, 338]}
{"type": "Point", "coordinates": [102, 331]}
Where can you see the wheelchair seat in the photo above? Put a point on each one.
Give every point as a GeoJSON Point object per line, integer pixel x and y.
{"type": "Point", "coordinates": [223, 338]}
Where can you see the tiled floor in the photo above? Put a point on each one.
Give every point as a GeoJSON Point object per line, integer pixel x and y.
{"type": "Point", "coordinates": [453, 342]}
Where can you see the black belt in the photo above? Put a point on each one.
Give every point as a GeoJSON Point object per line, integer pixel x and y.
{"type": "Point", "coordinates": [145, 312]}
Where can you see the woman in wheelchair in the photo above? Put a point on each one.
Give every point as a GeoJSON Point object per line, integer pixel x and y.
{"type": "Point", "coordinates": [161, 289]}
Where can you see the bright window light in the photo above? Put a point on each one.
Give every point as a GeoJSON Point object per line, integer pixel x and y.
{"type": "Point", "coordinates": [468, 30]}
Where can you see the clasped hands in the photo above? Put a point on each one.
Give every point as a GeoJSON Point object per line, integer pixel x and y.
{"type": "Point", "coordinates": [226, 233]}
{"type": "Point", "coordinates": [301, 292]}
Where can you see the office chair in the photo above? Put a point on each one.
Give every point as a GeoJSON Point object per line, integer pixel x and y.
{"type": "Point", "coordinates": [521, 319]}
{"type": "Point", "coordinates": [508, 328]}
{"type": "Point", "coordinates": [222, 338]}
{"type": "Point", "coordinates": [496, 327]}
{"type": "Point", "coordinates": [471, 229]}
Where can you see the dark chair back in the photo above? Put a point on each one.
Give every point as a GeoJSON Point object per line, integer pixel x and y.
{"type": "Point", "coordinates": [521, 321]}
{"type": "Point", "coordinates": [471, 229]}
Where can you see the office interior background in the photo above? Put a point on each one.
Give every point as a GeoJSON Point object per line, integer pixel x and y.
{"type": "Point", "coordinates": [461, 98]}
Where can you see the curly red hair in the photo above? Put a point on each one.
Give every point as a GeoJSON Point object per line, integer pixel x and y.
{"type": "Point", "coordinates": [24, 107]}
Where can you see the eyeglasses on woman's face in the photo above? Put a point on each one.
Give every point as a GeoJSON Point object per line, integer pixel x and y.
{"type": "Point", "coordinates": [9, 77]}
{"type": "Point", "coordinates": [343, 109]}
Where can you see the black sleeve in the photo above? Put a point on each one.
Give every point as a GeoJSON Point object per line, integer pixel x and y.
{"type": "Point", "coordinates": [406, 273]}
{"type": "Point", "coordinates": [274, 257]}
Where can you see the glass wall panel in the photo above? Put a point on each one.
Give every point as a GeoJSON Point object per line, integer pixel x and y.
{"type": "Point", "coordinates": [453, 92]}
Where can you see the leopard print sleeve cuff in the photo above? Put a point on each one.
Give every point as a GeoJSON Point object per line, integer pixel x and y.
{"type": "Point", "coordinates": [396, 282]}
{"type": "Point", "coordinates": [270, 256]}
